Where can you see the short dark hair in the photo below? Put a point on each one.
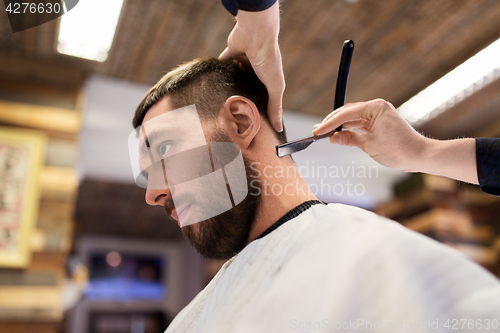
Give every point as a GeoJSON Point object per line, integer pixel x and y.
{"type": "Point", "coordinates": [207, 83]}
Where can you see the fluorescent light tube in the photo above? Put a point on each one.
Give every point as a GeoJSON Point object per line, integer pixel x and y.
{"type": "Point", "coordinates": [469, 77]}
{"type": "Point", "coordinates": [87, 30]}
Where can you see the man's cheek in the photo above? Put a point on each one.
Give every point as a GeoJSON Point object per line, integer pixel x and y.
{"type": "Point", "coordinates": [197, 192]}
{"type": "Point", "coordinates": [228, 157]}
{"type": "Point", "coordinates": [188, 165]}
{"type": "Point", "coordinates": [201, 198]}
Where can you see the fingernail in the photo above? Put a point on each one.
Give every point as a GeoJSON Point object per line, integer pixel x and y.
{"type": "Point", "coordinates": [316, 127]}
{"type": "Point", "coordinates": [278, 126]}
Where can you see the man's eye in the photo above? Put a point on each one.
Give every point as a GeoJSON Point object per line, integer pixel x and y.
{"type": "Point", "coordinates": [164, 149]}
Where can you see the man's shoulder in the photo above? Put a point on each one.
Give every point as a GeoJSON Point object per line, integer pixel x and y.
{"type": "Point", "coordinates": [341, 218]}
{"type": "Point", "coordinates": [365, 236]}
{"type": "Point", "coordinates": [343, 241]}
{"type": "Point", "coordinates": [187, 319]}
{"type": "Point", "coordinates": [336, 211]}
{"type": "Point", "coordinates": [339, 228]}
{"type": "Point", "coordinates": [332, 226]}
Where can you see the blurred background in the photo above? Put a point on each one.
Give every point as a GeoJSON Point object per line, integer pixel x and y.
{"type": "Point", "coordinates": [80, 250]}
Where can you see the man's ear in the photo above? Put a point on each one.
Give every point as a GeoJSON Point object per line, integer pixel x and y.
{"type": "Point", "coordinates": [240, 119]}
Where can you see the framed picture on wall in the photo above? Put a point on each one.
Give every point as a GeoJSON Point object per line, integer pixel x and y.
{"type": "Point", "coordinates": [22, 154]}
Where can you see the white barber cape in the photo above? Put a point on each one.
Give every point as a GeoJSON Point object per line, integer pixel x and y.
{"type": "Point", "coordinates": [340, 268]}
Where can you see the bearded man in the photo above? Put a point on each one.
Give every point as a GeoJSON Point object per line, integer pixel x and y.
{"type": "Point", "coordinates": [293, 262]}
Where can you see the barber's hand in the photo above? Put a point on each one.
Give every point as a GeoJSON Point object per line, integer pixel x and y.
{"type": "Point", "coordinates": [387, 137]}
{"type": "Point", "coordinates": [254, 42]}
{"type": "Point", "coordinates": [392, 142]}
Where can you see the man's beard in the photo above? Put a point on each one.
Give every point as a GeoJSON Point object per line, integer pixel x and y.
{"type": "Point", "coordinates": [225, 235]}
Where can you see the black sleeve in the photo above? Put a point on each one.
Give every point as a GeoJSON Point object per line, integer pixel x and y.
{"type": "Point", "coordinates": [488, 165]}
{"type": "Point", "coordinates": [247, 5]}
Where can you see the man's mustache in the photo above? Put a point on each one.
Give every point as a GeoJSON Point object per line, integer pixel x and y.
{"type": "Point", "coordinates": [169, 206]}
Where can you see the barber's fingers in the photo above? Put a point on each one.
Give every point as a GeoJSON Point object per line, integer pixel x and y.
{"type": "Point", "coordinates": [226, 54]}
{"type": "Point", "coordinates": [348, 138]}
{"type": "Point", "coordinates": [275, 106]}
{"type": "Point", "coordinates": [269, 70]}
{"type": "Point", "coordinates": [364, 110]}
{"type": "Point", "coordinates": [360, 124]}
{"type": "Point", "coordinates": [274, 81]}
{"type": "Point", "coordinates": [241, 57]}
{"type": "Point", "coordinates": [334, 112]}
{"type": "Point", "coordinates": [338, 117]}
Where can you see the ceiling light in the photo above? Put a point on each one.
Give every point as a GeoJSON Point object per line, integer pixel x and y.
{"type": "Point", "coordinates": [87, 30]}
{"type": "Point", "coordinates": [469, 77]}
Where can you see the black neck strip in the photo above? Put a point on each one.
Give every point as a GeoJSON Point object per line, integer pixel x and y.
{"type": "Point", "coordinates": [290, 215]}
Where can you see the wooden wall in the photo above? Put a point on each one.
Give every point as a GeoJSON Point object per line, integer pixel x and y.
{"type": "Point", "coordinates": [458, 215]}
{"type": "Point", "coordinates": [31, 298]}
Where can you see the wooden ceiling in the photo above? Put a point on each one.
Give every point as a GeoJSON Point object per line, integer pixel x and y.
{"type": "Point", "coordinates": [402, 46]}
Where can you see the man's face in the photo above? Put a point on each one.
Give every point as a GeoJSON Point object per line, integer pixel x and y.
{"type": "Point", "coordinates": [200, 177]}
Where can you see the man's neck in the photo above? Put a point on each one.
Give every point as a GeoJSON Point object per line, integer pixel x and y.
{"type": "Point", "coordinates": [282, 189]}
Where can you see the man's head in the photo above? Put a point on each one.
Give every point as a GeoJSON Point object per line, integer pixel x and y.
{"type": "Point", "coordinates": [230, 102]}
{"type": "Point", "coordinates": [207, 83]}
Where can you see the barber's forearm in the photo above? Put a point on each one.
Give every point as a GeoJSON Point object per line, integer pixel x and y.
{"type": "Point", "coordinates": [450, 158]}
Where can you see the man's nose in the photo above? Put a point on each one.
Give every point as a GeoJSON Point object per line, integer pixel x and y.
{"type": "Point", "coordinates": [157, 197]}
{"type": "Point", "coordinates": [157, 190]}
